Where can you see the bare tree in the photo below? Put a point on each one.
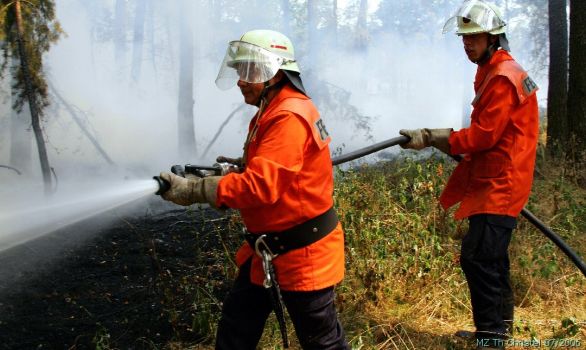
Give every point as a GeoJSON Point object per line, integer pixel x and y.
{"type": "Point", "coordinates": [361, 26]}
{"type": "Point", "coordinates": [80, 123]}
{"type": "Point", "coordinates": [557, 94]}
{"type": "Point", "coordinates": [138, 40]}
{"type": "Point", "coordinates": [120, 30]}
{"type": "Point", "coordinates": [185, 117]}
{"type": "Point", "coordinates": [150, 34]}
{"type": "Point", "coordinates": [577, 76]}
{"type": "Point", "coordinates": [312, 21]}
{"type": "Point", "coordinates": [221, 128]}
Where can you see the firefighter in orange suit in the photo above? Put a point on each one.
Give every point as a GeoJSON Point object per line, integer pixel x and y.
{"type": "Point", "coordinates": [493, 181]}
{"type": "Point", "coordinates": [293, 255]}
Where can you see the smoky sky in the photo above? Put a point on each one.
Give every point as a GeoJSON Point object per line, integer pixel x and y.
{"type": "Point", "coordinates": [394, 80]}
{"type": "Point", "coordinates": [121, 89]}
{"type": "Point", "coordinates": [114, 88]}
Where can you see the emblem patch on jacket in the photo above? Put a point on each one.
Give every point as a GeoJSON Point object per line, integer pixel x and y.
{"type": "Point", "coordinates": [321, 127]}
{"type": "Point", "coordinates": [529, 85]}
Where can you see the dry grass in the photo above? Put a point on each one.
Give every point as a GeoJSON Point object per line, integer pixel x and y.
{"type": "Point", "coordinates": [404, 288]}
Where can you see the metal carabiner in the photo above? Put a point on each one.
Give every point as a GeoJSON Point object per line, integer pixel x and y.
{"type": "Point", "coordinates": [266, 266]}
{"type": "Point", "coordinates": [260, 245]}
{"type": "Point", "coordinates": [266, 255]}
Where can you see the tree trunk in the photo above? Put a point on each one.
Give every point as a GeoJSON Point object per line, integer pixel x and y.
{"type": "Point", "coordinates": [20, 137]}
{"type": "Point", "coordinates": [81, 125]}
{"type": "Point", "coordinates": [138, 40]}
{"type": "Point", "coordinates": [557, 94]}
{"type": "Point", "coordinates": [150, 35]}
{"type": "Point", "coordinates": [185, 117]}
{"type": "Point", "coordinates": [32, 102]}
{"type": "Point", "coordinates": [221, 128]}
{"type": "Point", "coordinates": [312, 20]}
{"type": "Point", "coordinates": [20, 141]}
{"type": "Point", "coordinates": [577, 77]}
{"type": "Point", "coordinates": [120, 31]}
{"type": "Point", "coordinates": [361, 26]}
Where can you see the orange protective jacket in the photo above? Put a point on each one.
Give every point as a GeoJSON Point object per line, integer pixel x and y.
{"type": "Point", "coordinates": [288, 180]}
{"type": "Point", "coordinates": [496, 173]}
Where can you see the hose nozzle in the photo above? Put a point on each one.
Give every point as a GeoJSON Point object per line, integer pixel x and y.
{"type": "Point", "coordinates": [164, 185]}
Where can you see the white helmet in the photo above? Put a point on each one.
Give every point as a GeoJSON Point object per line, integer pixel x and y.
{"type": "Point", "coordinates": [476, 16]}
{"type": "Point", "coordinates": [257, 57]}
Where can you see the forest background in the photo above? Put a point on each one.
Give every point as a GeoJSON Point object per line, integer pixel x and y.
{"type": "Point", "coordinates": [98, 92]}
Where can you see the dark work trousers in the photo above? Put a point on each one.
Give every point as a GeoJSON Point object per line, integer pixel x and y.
{"type": "Point", "coordinates": [248, 306]}
{"type": "Point", "coordinates": [485, 261]}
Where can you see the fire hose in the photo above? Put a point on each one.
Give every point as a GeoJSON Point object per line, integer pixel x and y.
{"type": "Point", "coordinates": [223, 168]}
{"type": "Point", "coordinates": [549, 233]}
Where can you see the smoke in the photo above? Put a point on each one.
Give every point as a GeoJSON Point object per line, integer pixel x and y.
{"type": "Point", "coordinates": [127, 103]}
{"type": "Point", "coordinates": [402, 85]}
{"type": "Point", "coordinates": [398, 82]}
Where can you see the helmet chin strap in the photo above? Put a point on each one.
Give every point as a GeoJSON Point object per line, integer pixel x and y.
{"type": "Point", "coordinates": [263, 94]}
{"type": "Point", "coordinates": [261, 104]}
{"type": "Point", "coordinates": [262, 101]}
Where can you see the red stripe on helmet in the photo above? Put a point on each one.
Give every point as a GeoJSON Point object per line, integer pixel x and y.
{"type": "Point", "coordinates": [279, 47]}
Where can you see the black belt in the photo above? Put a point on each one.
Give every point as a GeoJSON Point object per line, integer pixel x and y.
{"type": "Point", "coordinates": [269, 245]}
{"type": "Point", "coordinates": [298, 236]}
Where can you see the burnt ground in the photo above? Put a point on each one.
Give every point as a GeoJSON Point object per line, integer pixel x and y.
{"type": "Point", "coordinates": [129, 280]}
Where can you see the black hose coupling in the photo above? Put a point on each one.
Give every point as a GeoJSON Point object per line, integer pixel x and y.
{"type": "Point", "coordinates": [164, 185]}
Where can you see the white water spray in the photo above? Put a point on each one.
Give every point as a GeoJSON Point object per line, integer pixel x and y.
{"type": "Point", "coordinates": [25, 217]}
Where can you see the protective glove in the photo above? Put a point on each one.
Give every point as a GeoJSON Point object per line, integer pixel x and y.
{"type": "Point", "coordinates": [421, 138]}
{"type": "Point", "coordinates": [190, 176]}
{"type": "Point", "coordinates": [235, 161]}
{"type": "Point", "coordinates": [185, 192]}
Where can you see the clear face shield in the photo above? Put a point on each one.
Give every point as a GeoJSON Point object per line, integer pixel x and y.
{"type": "Point", "coordinates": [474, 16]}
{"type": "Point", "coordinates": [249, 63]}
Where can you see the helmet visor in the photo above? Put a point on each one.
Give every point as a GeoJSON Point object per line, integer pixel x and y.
{"type": "Point", "coordinates": [474, 13]}
{"type": "Point", "coordinates": [247, 62]}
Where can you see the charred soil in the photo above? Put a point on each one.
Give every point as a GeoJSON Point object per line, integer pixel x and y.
{"type": "Point", "coordinates": [137, 282]}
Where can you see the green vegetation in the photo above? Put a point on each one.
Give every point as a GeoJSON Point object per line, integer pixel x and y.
{"type": "Point", "coordinates": [404, 288]}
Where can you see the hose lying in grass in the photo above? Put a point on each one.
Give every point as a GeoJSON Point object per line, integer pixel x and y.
{"type": "Point", "coordinates": [555, 238]}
